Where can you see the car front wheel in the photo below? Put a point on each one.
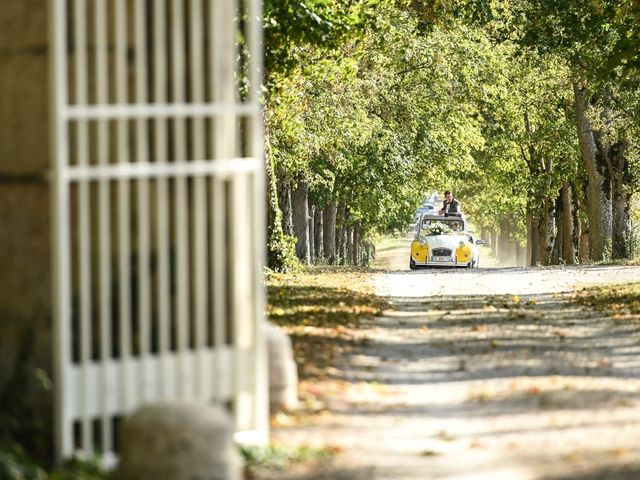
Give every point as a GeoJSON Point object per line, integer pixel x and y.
{"type": "Point", "coordinates": [412, 264]}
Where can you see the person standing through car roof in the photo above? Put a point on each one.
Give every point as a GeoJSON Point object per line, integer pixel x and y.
{"type": "Point", "coordinates": [450, 204]}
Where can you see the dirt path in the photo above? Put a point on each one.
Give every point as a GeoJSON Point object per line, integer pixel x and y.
{"type": "Point", "coordinates": [487, 374]}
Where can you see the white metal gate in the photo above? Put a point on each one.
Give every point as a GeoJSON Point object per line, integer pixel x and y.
{"type": "Point", "coordinates": [158, 212]}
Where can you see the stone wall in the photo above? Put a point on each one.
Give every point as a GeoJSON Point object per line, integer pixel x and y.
{"type": "Point", "coordinates": [25, 303]}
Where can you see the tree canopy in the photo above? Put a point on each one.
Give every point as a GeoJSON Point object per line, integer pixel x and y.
{"type": "Point", "coordinates": [371, 104]}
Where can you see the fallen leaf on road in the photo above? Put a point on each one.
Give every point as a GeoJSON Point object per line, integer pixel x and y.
{"type": "Point", "coordinates": [606, 362]}
{"type": "Point", "coordinates": [620, 452]}
{"type": "Point", "coordinates": [446, 436]}
{"type": "Point", "coordinates": [573, 456]}
{"type": "Point", "coordinates": [477, 444]}
{"type": "Point", "coordinates": [533, 391]}
{"type": "Point", "coordinates": [428, 453]}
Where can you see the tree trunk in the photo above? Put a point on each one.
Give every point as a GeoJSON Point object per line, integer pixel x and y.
{"type": "Point", "coordinates": [532, 239]}
{"type": "Point", "coordinates": [521, 255]}
{"type": "Point", "coordinates": [536, 225]}
{"type": "Point", "coordinates": [542, 239]}
{"type": "Point", "coordinates": [278, 256]}
{"type": "Point", "coordinates": [620, 248]}
{"type": "Point", "coordinates": [576, 195]}
{"type": "Point", "coordinates": [356, 244]}
{"type": "Point", "coordinates": [568, 245]}
{"type": "Point", "coordinates": [559, 237]}
{"type": "Point", "coordinates": [348, 260]}
{"type": "Point", "coordinates": [584, 247]}
{"type": "Point", "coordinates": [503, 243]}
{"type": "Point", "coordinates": [300, 201]}
{"type": "Point", "coordinates": [598, 189]}
{"type": "Point", "coordinates": [528, 250]}
{"type": "Point", "coordinates": [533, 235]}
{"type": "Point", "coordinates": [284, 201]}
{"type": "Point", "coordinates": [494, 243]}
{"type": "Point", "coordinates": [329, 232]}
{"type": "Point", "coordinates": [318, 233]}
{"type": "Point", "coordinates": [312, 245]}
{"type": "Point", "coordinates": [341, 233]}
{"type": "Point", "coordinates": [547, 230]}
{"type": "Point", "coordinates": [368, 254]}
{"type": "Point", "coordinates": [581, 223]}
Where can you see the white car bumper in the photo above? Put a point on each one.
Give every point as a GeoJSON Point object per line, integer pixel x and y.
{"type": "Point", "coordinates": [441, 263]}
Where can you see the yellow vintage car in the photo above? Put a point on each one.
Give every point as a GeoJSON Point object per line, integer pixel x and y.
{"type": "Point", "coordinates": [443, 241]}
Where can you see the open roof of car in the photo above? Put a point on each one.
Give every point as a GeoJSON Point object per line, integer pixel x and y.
{"type": "Point", "coordinates": [448, 217]}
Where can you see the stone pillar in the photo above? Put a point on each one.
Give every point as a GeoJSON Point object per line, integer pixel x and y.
{"type": "Point", "coordinates": [283, 373]}
{"type": "Point", "coordinates": [178, 441]}
{"type": "Point", "coordinates": [25, 305]}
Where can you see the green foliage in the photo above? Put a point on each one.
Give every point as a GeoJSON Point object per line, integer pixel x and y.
{"type": "Point", "coordinates": [281, 457]}
{"type": "Point", "coordinates": [88, 469]}
{"type": "Point", "coordinates": [471, 95]}
{"type": "Point", "coordinates": [293, 24]}
{"type": "Point", "coordinates": [22, 423]}
{"type": "Point", "coordinates": [281, 253]}
{"type": "Point", "coordinates": [14, 465]}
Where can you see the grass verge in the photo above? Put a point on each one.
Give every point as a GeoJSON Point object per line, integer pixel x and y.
{"type": "Point", "coordinates": [320, 308]}
{"type": "Point", "coordinates": [622, 301]}
{"type": "Point", "coordinates": [263, 462]}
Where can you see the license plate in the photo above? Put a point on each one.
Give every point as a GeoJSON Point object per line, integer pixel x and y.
{"type": "Point", "coordinates": [441, 259]}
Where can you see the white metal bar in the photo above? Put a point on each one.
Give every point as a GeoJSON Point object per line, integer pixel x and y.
{"type": "Point", "coordinates": [185, 381]}
{"type": "Point", "coordinates": [224, 28]}
{"type": "Point", "coordinates": [167, 375]}
{"type": "Point", "coordinates": [163, 170]}
{"type": "Point", "coordinates": [155, 365]}
{"type": "Point", "coordinates": [255, 142]}
{"type": "Point", "coordinates": [84, 222]}
{"type": "Point", "coordinates": [142, 157]}
{"type": "Point", "coordinates": [162, 194]}
{"type": "Point", "coordinates": [226, 141]}
{"type": "Point", "coordinates": [124, 210]}
{"type": "Point", "coordinates": [202, 384]}
{"type": "Point", "coordinates": [219, 286]}
{"type": "Point", "coordinates": [104, 212]}
{"type": "Point", "coordinates": [259, 368]}
{"type": "Point", "coordinates": [218, 206]}
{"type": "Point", "coordinates": [60, 231]}
{"type": "Point", "coordinates": [176, 109]}
{"type": "Point", "coordinates": [242, 293]}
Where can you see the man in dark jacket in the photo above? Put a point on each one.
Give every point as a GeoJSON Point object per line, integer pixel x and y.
{"type": "Point", "coordinates": [450, 204]}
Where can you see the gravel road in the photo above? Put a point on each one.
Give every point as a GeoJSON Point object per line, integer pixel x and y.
{"type": "Point", "coordinates": [488, 374]}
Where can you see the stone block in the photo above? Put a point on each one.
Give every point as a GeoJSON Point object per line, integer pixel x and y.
{"type": "Point", "coordinates": [178, 441]}
{"type": "Point", "coordinates": [23, 24]}
{"type": "Point", "coordinates": [24, 114]}
{"type": "Point", "coordinates": [25, 263]}
{"type": "Point", "coordinates": [283, 373]}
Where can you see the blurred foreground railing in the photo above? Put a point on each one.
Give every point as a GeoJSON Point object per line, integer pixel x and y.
{"type": "Point", "coordinates": [158, 212]}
